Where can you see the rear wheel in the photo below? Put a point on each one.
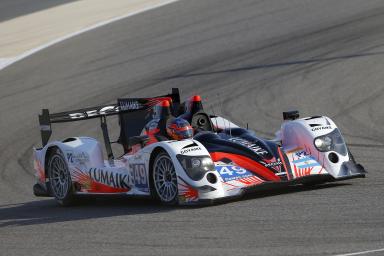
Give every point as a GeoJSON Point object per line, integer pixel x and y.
{"type": "Point", "coordinates": [165, 179]}
{"type": "Point", "coordinates": [60, 179]}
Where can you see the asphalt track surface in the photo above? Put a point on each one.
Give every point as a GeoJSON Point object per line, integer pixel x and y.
{"type": "Point", "coordinates": [250, 60]}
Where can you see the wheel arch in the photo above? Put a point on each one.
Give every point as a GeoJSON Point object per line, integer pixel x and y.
{"type": "Point", "coordinates": [50, 150]}
{"type": "Point", "coordinates": [48, 153]}
{"type": "Point", "coordinates": [67, 198]}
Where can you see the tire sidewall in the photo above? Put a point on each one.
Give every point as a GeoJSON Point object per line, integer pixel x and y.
{"type": "Point", "coordinates": [68, 198]}
{"type": "Point", "coordinates": [154, 193]}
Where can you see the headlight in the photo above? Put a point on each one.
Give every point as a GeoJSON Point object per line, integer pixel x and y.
{"type": "Point", "coordinates": [332, 141]}
{"type": "Point", "coordinates": [323, 143]}
{"type": "Point", "coordinates": [196, 166]}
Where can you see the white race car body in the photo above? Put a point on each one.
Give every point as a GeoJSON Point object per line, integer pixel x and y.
{"type": "Point", "coordinates": [307, 150]}
{"type": "Point", "coordinates": [127, 175]}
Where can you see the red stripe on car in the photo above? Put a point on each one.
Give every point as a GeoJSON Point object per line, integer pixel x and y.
{"type": "Point", "coordinates": [246, 163]}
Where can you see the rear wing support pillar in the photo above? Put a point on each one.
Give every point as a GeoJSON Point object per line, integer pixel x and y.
{"type": "Point", "coordinates": [107, 142]}
{"type": "Point", "coordinates": [45, 126]}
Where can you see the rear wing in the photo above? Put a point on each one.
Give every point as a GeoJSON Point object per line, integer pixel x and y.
{"type": "Point", "coordinates": [46, 119]}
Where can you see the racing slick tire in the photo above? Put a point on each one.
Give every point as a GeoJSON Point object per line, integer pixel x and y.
{"type": "Point", "coordinates": [164, 179]}
{"type": "Point", "coordinates": [60, 181]}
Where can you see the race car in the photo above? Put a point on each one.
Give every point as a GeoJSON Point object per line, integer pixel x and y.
{"type": "Point", "coordinates": [177, 153]}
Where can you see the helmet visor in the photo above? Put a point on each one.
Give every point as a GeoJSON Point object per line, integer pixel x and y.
{"type": "Point", "coordinates": [185, 134]}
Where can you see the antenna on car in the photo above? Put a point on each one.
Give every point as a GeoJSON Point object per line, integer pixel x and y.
{"type": "Point", "coordinates": [213, 111]}
{"type": "Point", "coordinates": [222, 108]}
{"type": "Point", "coordinates": [229, 124]}
{"type": "Point", "coordinates": [230, 129]}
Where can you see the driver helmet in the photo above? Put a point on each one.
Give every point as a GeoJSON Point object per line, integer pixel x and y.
{"type": "Point", "coordinates": [179, 129]}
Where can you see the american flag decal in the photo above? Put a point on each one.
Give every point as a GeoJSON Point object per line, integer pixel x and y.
{"type": "Point", "coordinates": [250, 180]}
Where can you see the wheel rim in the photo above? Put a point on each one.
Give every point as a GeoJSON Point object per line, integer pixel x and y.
{"type": "Point", "coordinates": [59, 177]}
{"type": "Point", "coordinates": [165, 179]}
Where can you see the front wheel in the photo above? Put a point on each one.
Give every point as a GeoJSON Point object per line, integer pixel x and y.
{"type": "Point", "coordinates": [60, 179]}
{"type": "Point", "coordinates": [165, 179]}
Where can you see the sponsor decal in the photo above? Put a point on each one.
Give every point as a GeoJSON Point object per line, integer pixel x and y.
{"type": "Point", "coordinates": [189, 150]}
{"type": "Point", "coordinates": [115, 180]}
{"type": "Point", "coordinates": [96, 112]}
{"type": "Point", "coordinates": [140, 177]}
{"type": "Point", "coordinates": [232, 172]}
{"type": "Point", "coordinates": [254, 147]}
{"type": "Point", "coordinates": [191, 145]}
{"type": "Point", "coordinates": [130, 105]}
{"type": "Point", "coordinates": [328, 127]}
{"type": "Point", "coordinates": [301, 153]}
{"type": "Point", "coordinates": [85, 178]}
{"type": "Point", "coordinates": [273, 164]}
{"type": "Point", "coordinates": [79, 157]}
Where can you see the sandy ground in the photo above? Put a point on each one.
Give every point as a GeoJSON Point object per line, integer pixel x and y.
{"type": "Point", "coordinates": [24, 33]}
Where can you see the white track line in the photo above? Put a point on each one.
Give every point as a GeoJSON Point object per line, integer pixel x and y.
{"type": "Point", "coordinates": [361, 253]}
{"type": "Point", "coordinates": [9, 61]}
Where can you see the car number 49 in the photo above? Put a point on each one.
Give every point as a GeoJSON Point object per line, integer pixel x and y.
{"type": "Point", "coordinates": [231, 170]}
